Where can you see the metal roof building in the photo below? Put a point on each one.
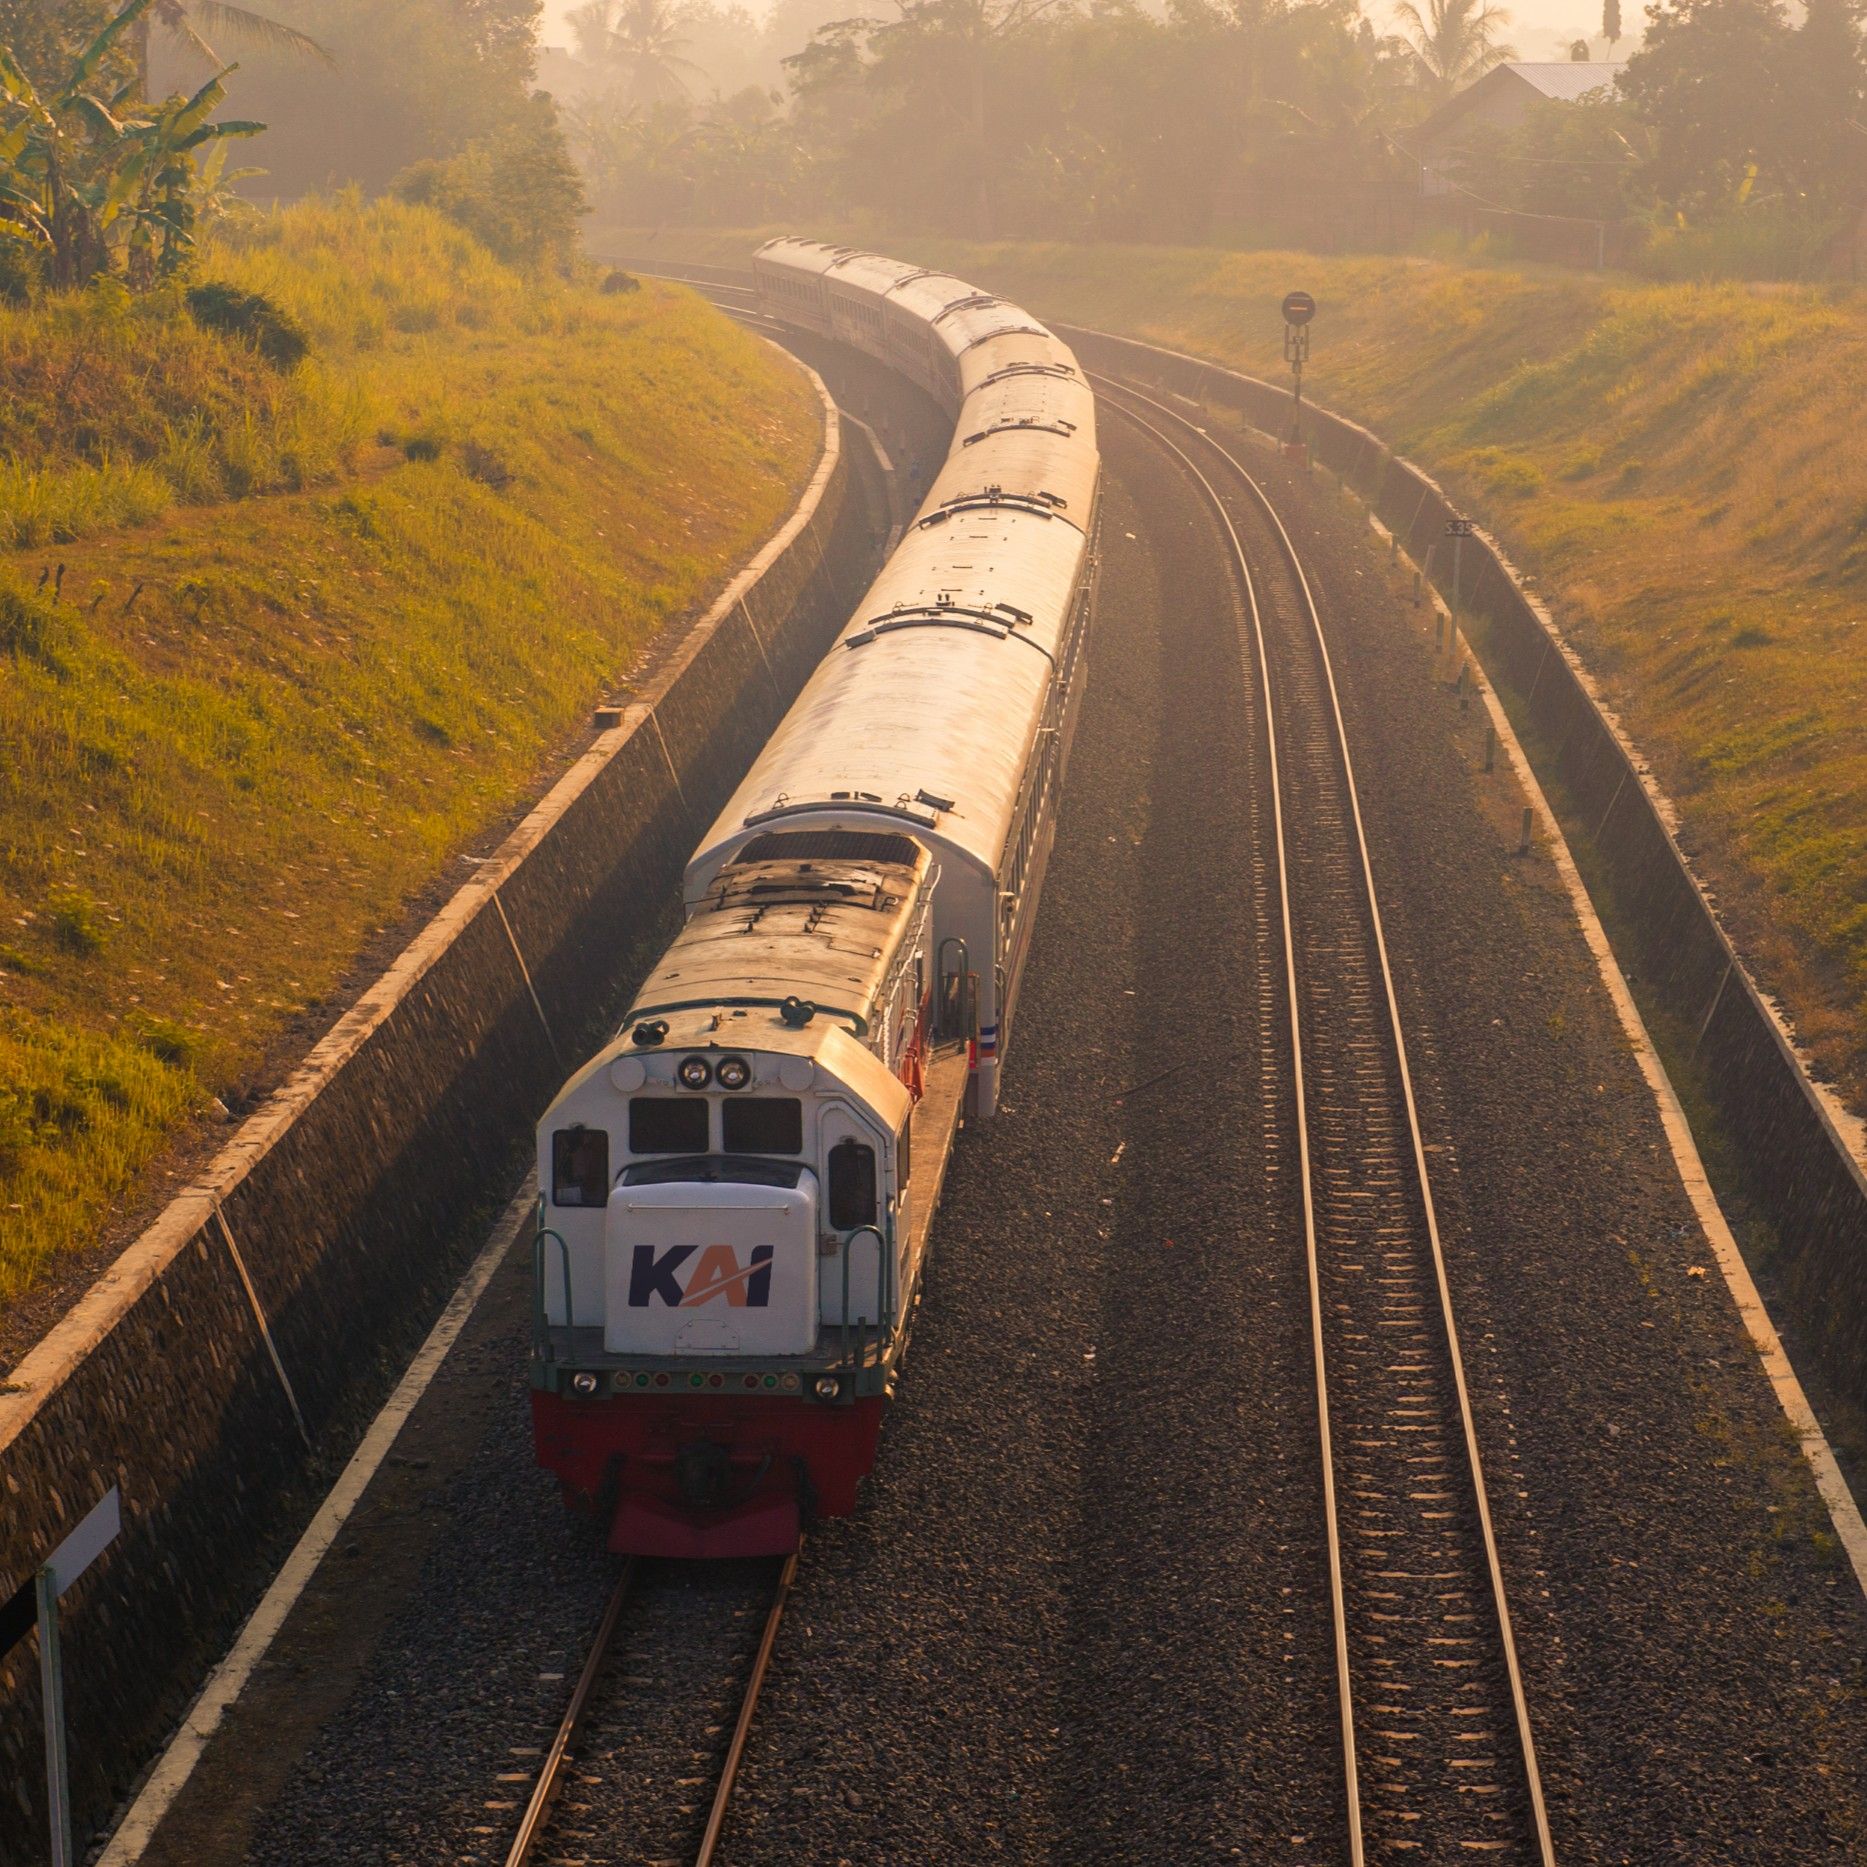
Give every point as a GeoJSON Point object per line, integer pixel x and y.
{"type": "Point", "coordinates": [1501, 100]}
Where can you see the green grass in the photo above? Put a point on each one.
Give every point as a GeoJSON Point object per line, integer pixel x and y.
{"type": "Point", "coordinates": [1683, 466]}
{"type": "Point", "coordinates": [258, 687]}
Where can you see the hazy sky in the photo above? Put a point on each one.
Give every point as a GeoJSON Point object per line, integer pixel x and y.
{"type": "Point", "coordinates": [1538, 29]}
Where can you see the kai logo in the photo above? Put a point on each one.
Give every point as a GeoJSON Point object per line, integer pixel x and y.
{"type": "Point", "coordinates": [667, 1277]}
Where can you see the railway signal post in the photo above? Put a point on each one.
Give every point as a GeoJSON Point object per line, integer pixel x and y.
{"type": "Point", "coordinates": [1298, 309]}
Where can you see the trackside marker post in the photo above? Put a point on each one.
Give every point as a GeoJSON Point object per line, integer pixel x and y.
{"type": "Point", "coordinates": [36, 1602]}
{"type": "Point", "coordinates": [1458, 530]}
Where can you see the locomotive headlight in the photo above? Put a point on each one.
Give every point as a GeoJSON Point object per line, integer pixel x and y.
{"type": "Point", "coordinates": [694, 1073]}
{"type": "Point", "coordinates": [826, 1387]}
{"type": "Point", "coordinates": [732, 1072]}
{"type": "Point", "coordinates": [583, 1383]}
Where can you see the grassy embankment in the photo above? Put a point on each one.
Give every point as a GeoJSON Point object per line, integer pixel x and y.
{"type": "Point", "coordinates": [1683, 467]}
{"type": "Point", "coordinates": [274, 647]}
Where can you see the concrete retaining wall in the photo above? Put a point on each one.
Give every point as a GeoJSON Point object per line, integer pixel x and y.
{"type": "Point", "coordinates": [346, 1201]}
{"type": "Point", "coordinates": [1795, 1164]}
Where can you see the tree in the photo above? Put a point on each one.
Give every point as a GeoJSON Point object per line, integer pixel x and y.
{"type": "Point", "coordinates": [178, 18]}
{"type": "Point", "coordinates": [1709, 80]}
{"type": "Point", "coordinates": [1586, 160]}
{"type": "Point", "coordinates": [82, 178]}
{"type": "Point", "coordinates": [516, 189]}
{"type": "Point", "coordinates": [642, 42]}
{"type": "Point", "coordinates": [1611, 21]}
{"type": "Point", "coordinates": [1823, 146]}
{"type": "Point", "coordinates": [410, 79]}
{"type": "Point", "coordinates": [1455, 40]}
{"type": "Point", "coordinates": [46, 36]}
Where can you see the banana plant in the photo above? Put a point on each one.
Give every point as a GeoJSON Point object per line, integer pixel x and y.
{"type": "Point", "coordinates": [81, 174]}
{"type": "Point", "coordinates": [155, 189]}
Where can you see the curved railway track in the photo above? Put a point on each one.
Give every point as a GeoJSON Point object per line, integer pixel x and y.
{"type": "Point", "coordinates": [1438, 1754]}
{"type": "Point", "coordinates": [592, 1718]}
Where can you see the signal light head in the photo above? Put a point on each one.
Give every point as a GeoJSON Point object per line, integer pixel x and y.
{"type": "Point", "coordinates": [694, 1073]}
{"type": "Point", "coordinates": [732, 1072]}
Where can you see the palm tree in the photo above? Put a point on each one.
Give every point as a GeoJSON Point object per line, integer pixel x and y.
{"type": "Point", "coordinates": [1453, 40]}
{"type": "Point", "coordinates": [640, 39]}
{"type": "Point", "coordinates": [177, 18]}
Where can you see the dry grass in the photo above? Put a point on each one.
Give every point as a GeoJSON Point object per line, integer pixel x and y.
{"type": "Point", "coordinates": [1684, 467]}
{"type": "Point", "coordinates": [240, 737]}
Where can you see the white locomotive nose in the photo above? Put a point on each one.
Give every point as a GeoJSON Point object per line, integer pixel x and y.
{"type": "Point", "coordinates": [713, 1266]}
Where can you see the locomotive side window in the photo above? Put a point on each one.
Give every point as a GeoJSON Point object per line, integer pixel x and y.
{"type": "Point", "coordinates": [852, 1185]}
{"type": "Point", "coordinates": [668, 1125]}
{"type": "Point", "coordinates": [762, 1125]}
{"type": "Point", "coordinates": [580, 1167]}
{"type": "Point", "coordinates": [904, 1165]}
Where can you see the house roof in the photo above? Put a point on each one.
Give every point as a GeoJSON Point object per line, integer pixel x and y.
{"type": "Point", "coordinates": [1563, 81]}
{"type": "Point", "coordinates": [1566, 79]}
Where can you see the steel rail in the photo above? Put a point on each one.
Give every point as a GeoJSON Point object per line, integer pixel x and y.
{"type": "Point", "coordinates": [1337, 1595]}
{"type": "Point", "coordinates": [536, 1821]}
{"type": "Point", "coordinates": [544, 1793]}
{"type": "Point", "coordinates": [716, 1816]}
{"type": "Point", "coordinates": [1468, 1425]}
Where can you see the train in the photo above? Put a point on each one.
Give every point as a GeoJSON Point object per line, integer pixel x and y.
{"type": "Point", "coordinates": [736, 1192]}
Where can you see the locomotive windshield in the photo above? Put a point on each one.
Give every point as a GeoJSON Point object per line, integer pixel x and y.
{"type": "Point", "coordinates": [668, 1125]}
{"type": "Point", "coordinates": [762, 1125]}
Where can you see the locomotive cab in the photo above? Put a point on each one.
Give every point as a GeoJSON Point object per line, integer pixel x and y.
{"type": "Point", "coordinates": [725, 1257]}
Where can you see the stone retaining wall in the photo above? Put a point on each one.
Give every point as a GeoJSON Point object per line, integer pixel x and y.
{"type": "Point", "coordinates": [1795, 1163]}
{"type": "Point", "coordinates": [348, 1200]}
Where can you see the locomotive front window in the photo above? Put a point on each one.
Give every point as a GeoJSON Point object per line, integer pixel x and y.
{"type": "Point", "coordinates": [580, 1167]}
{"type": "Point", "coordinates": [762, 1125]}
{"type": "Point", "coordinates": [852, 1185]}
{"type": "Point", "coordinates": [668, 1125]}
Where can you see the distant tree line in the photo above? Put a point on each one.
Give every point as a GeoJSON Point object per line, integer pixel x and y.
{"type": "Point", "coordinates": [1111, 119]}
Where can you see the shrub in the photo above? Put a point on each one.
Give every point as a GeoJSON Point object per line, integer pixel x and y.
{"type": "Point", "coordinates": [271, 330]}
{"type": "Point", "coordinates": [21, 274]}
{"type": "Point", "coordinates": [169, 1042]}
{"type": "Point", "coordinates": [26, 619]}
{"type": "Point", "coordinates": [517, 190]}
{"type": "Point", "coordinates": [485, 465]}
{"type": "Point", "coordinates": [1768, 241]}
{"type": "Point", "coordinates": [76, 926]}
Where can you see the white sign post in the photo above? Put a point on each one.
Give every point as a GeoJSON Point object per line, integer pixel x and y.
{"type": "Point", "coordinates": [1458, 530]}
{"type": "Point", "coordinates": [56, 1574]}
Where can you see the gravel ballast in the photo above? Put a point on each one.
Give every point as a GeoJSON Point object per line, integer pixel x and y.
{"type": "Point", "coordinates": [1080, 1615]}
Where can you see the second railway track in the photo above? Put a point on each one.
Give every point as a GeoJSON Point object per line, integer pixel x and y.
{"type": "Point", "coordinates": [1438, 1754]}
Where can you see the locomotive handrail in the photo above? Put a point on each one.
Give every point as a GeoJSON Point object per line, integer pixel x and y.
{"type": "Point", "coordinates": [541, 1319]}
{"type": "Point", "coordinates": [951, 619]}
{"type": "Point", "coordinates": [642, 1014]}
{"type": "Point", "coordinates": [941, 977]}
{"type": "Point", "coordinates": [884, 1282]}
